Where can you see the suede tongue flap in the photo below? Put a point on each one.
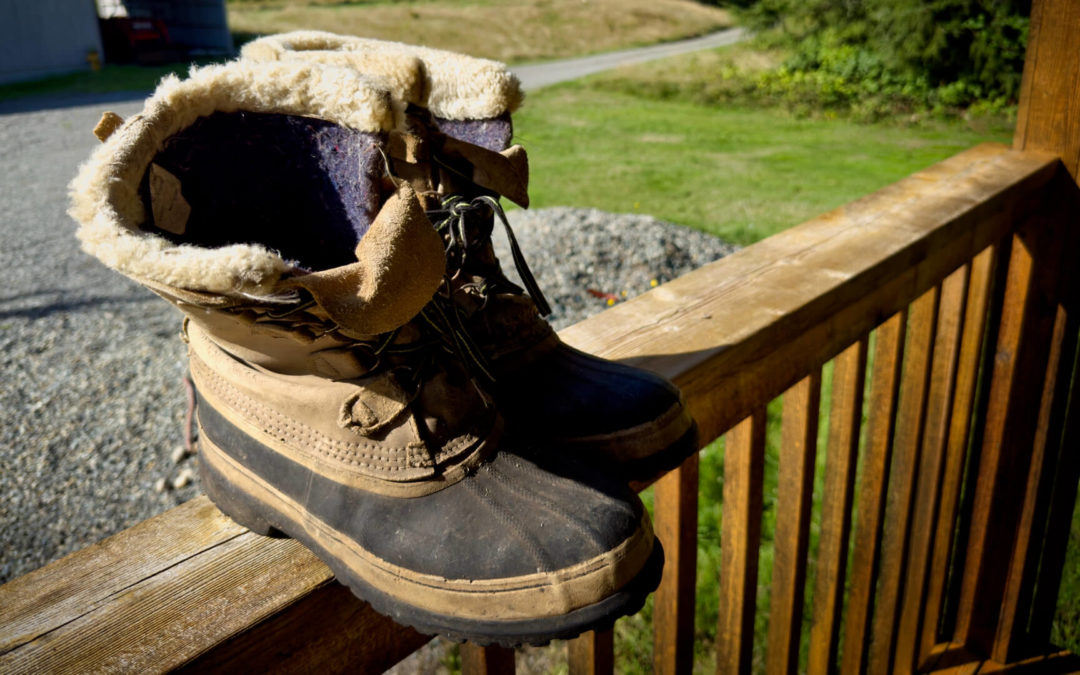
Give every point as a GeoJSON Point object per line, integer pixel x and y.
{"type": "Point", "coordinates": [400, 264]}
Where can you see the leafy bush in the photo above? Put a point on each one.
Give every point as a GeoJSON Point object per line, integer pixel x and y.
{"type": "Point", "coordinates": [877, 57]}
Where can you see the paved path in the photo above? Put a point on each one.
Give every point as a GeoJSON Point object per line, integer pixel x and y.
{"type": "Point", "coordinates": [543, 74]}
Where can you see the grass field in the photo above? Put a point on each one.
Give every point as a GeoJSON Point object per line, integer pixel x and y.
{"type": "Point", "coordinates": [508, 30]}
{"type": "Point", "coordinates": [742, 174]}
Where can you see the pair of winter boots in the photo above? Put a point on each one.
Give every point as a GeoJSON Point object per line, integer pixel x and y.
{"type": "Point", "coordinates": [369, 381]}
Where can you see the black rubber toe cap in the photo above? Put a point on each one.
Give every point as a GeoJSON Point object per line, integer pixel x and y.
{"type": "Point", "coordinates": [581, 395]}
{"type": "Point", "coordinates": [510, 518]}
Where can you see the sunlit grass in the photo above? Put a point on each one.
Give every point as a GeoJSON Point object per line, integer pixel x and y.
{"type": "Point", "coordinates": [742, 174]}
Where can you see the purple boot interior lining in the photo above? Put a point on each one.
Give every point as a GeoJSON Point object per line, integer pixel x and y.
{"type": "Point", "coordinates": [493, 133]}
{"type": "Point", "coordinates": [306, 188]}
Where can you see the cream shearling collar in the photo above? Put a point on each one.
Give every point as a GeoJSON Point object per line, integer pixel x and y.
{"type": "Point", "coordinates": [105, 197]}
{"type": "Point", "coordinates": [450, 85]}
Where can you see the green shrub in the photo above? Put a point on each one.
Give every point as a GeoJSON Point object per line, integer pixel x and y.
{"type": "Point", "coordinates": [880, 57]}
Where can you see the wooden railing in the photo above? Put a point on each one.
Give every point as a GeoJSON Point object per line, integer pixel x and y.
{"type": "Point", "coordinates": [946, 306]}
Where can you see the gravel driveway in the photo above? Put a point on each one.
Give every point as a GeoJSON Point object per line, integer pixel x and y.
{"type": "Point", "coordinates": [93, 403]}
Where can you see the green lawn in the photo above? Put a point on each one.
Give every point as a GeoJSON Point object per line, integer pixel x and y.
{"type": "Point", "coordinates": [742, 174]}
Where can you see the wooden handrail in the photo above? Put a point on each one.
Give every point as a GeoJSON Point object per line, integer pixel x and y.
{"type": "Point", "coordinates": [190, 588]}
{"type": "Point", "coordinates": [738, 332]}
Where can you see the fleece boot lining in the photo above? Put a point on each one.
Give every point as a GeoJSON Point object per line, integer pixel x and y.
{"type": "Point", "coordinates": [304, 187]}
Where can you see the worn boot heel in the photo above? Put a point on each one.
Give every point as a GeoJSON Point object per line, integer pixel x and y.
{"type": "Point", "coordinates": [233, 504]}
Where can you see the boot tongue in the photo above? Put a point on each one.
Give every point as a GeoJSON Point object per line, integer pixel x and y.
{"type": "Point", "coordinates": [400, 264]}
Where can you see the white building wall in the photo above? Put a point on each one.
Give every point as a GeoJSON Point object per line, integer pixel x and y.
{"type": "Point", "coordinates": [44, 37]}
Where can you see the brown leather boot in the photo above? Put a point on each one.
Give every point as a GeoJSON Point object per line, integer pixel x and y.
{"type": "Point", "coordinates": [334, 403]}
{"type": "Point", "coordinates": [604, 411]}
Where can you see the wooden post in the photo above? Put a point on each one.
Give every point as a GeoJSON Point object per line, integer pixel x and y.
{"type": "Point", "coordinates": [1049, 114]}
{"type": "Point", "coordinates": [877, 460]}
{"type": "Point", "coordinates": [995, 598]}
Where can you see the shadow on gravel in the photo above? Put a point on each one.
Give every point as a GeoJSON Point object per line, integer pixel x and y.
{"type": "Point", "coordinates": [54, 301]}
{"type": "Point", "coordinates": [67, 100]}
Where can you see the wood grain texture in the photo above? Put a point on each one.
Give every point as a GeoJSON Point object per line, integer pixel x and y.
{"type": "Point", "coordinates": [1012, 640]}
{"type": "Point", "coordinates": [740, 539]}
{"type": "Point", "coordinates": [738, 332]}
{"type": "Point", "coordinates": [1066, 480]}
{"type": "Point", "coordinates": [845, 419]}
{"type": "Point", "coordinates": [910, 418]}
{"type": "Point", "coordinates": [1052, 663]}
{"type": "Point", "coordinates": [877, 460]}
{"type": "Point", "coordinates": [1048, 117]}
{"type": "Point", "coordinates": [676, 508]}
{"type": "Point", "coordinates": [328, 631]}
{"type": "Point", "coordinates": [946, 351]}
{"type": "Point", "coordinates": [795, 494]}
{"type": "Point", "coordinates": [169, 616]}
{"type": "Point", "coordinates": [477, 660]}
{"type": "Point", "coordinates": [1019, 366]}
{"type": "Point", "coordinates": [971, 347]}
{"type": "Point", "coordinates": [190, 589]}
{"type": "Point", "coordinates": [39, 602]}
{"type": "Point", "coordinates": [592, 653]}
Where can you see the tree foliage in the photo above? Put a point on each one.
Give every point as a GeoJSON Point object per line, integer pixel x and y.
{"type": "Point", "coordinates": [922, 53]}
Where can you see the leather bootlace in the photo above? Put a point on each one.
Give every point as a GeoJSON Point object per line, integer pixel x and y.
{"type": "Point", "coordinates": [452, 221]}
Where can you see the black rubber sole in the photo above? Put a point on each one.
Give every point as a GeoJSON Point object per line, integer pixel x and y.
{"type": "Point", "coordinates": [264, 519]}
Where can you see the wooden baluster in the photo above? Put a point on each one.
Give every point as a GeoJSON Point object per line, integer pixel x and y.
{"type": "Point", "coordinates": [971, 346]}
{"type": "Point", "coordinates": [477, 660]}
{"type": "Point", "coordinates": [885, 382]}
{"type": "Point", "coordinates": [795, 490]}
{"type": "Point", "coordinates": [910, 416]}
{"type": "Point", "coordinates": [1019, 367]}
{"type": "Point", "coordinates": [1045, 466]}
{"type": "Point", "coordinates": [931, 466]}
{"type": "Point", "coordinates": [740, 539]}
{"type": "Point", "coordinates": [673, 607]}
{"type": "Point", "coordinates": [592, 653]}
{"type": "Point", "coordinates": [845, 419]}
{"type": "Point", "coordinates": [1060, 516]}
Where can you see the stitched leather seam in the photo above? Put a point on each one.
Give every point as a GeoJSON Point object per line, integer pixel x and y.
{"type": "Point", "coordinates": [279, 426]}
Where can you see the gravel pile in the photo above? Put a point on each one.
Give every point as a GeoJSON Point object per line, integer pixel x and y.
{"type": "Point", "coordinates": [93, 402]}
{"type": "Point", "coordinates": [585, 259]}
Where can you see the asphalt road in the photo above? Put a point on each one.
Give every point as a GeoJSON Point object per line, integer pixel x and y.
{"type": "Point", "coordinates": [543, 74]}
